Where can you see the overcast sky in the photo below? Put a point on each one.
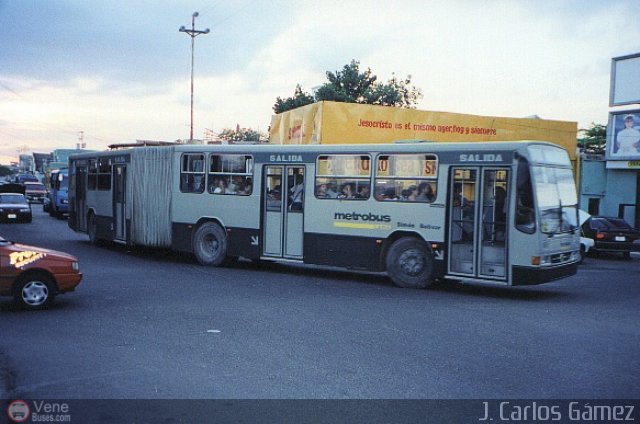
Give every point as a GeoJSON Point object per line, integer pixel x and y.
{"type": "Point", "coordinates": [119, 70]}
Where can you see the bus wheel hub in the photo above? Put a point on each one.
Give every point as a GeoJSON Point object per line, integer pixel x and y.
{"type": "Point", "coordinates": [411, 262]}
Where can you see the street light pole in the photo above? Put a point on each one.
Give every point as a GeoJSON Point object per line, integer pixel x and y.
{"type": "Point", "coordinates": [193, 33]}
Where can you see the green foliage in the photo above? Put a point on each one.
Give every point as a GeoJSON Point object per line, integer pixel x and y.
{"type": "Point", "coordinates": [594, 139]}
{"type": "Point", "coordinates": [300, 98]}
{"type": "Point", "coordinates": [352, 86]}
{"type": "Point", "coordinates": [241, 134]}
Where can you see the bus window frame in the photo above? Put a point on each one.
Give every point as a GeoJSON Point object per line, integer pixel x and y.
{"type": "Point", "coordinates": [342, 180]}
{"type": "Point", "coordinates": [417, 180]}
{"type": "Point", "coordinates": [214, 175]}
{"type": "Point", "coordinates": [189, 182]}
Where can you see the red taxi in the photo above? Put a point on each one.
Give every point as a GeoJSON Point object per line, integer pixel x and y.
{"type": "Point", "coordinates": [34, 276]}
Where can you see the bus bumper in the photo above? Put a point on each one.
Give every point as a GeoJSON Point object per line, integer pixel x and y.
{"type": "Point", "coordinates": [531, 275]}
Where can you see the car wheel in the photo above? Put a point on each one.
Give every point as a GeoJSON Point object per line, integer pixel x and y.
{"type": "Point", "coordinates": [34, 292]}
{"type": "Point", "coordinates": [626, 256]}
{"type": "Point", "coordinates": [410, 264]}
{"type": "Point", "coordinates": [210, 244]}
{"type": "Point", "coordinates": [583, 253]}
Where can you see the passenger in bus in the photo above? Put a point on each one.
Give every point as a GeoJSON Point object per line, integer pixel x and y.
{"type": "Point", "coordinates": [198, 184]}
{"type": "Point", "coordinates": [247, 188]}
{"type": "Point", "coordinates": [459, 200]}
{"type": "Point", "coordinates": [425, 193]}
{"type": "Point", "coordinates": [500, 199]}
{"type": "Point", "coordinates": [386, 194]}
{"type": "Point", "coordinates": [221, 186]}
{"type": "Point", "coordinates": [413, 194]}
{"type": "Point", "coordinates": [364, 192]}
{"type": "Point", "coordinates": [347, 192]}
{"type": "Point", "coordinates": [296, 194]}
{"type": "Point", "coordinates": [321, 191]}
{"type": "Point", "coordinates": [332, 193]}
{"type": "Point", "coordinates": [236, 185]}
{"type": "Point", "coordinates": [275, 193]}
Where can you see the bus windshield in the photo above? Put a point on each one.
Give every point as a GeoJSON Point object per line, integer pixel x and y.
{"type": "Point", "coordinates": [557, 199]}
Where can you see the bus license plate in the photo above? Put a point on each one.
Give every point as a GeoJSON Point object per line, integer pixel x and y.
{"type": "Point", "coordinates": [12, 216]}
{"type": "Point", "coordinates": [620, 238]}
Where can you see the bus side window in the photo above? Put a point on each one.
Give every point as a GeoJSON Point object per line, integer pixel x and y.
{"type": "Point", "coordinates": [343, 177]}
{"type": "Point", "coordinates": [192, 173]}
{"type": "Point", "coordinates": [525, 212]}
{"type": "Point", "coordinates": [406, 178]}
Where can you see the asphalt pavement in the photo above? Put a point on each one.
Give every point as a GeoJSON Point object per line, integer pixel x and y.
{"type": "Point", "coordinates": [148, 324]}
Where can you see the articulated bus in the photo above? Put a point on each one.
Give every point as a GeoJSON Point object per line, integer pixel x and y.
{"type": "Point", "coordinates": [500, 213]}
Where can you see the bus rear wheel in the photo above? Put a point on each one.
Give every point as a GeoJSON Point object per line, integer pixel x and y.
{"type": "Point", "coordinates": [410, 264]}
{"type": "Point", "coordinates": [210, 244]}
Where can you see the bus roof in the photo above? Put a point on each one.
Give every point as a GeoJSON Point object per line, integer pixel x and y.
{"type": "Point", "coordinates": [401, 146]}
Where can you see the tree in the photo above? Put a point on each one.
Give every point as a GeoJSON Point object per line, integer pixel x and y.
{"type": "Point", "coordinates": [352, 86]}
{"type": "Point", "coordinates": [241, 134]}
{"type": "Point", "coordinates": [594, 139]}
{"type": "Point", "coordinates": [300, 98]}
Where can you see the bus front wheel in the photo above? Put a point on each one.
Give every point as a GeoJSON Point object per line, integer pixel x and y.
{"type": "Point", "coordinates": [210, 244]}
{"type": "Point", "coordinates": [410, 264]}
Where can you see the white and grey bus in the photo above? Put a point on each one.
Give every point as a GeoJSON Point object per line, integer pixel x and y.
{"type": "Point", "coordinates": [502, 213]}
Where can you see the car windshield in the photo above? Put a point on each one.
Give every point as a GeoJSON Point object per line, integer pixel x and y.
{"type": "Point", "coordinates": [13, 199]}
{"type": "Point", "coordinates": [557, 198]}
{"type": "Point", "coordinates": [609, 224]}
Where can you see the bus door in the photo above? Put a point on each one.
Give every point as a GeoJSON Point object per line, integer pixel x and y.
{"type": "Point", "coordinates": [81, 197]}
{"type": "Point", "coordinates": [283, 217]}
{"type": "Point", "coordinates": [477, 222]}
{"type": "Point", "coordinates": [119, 201]}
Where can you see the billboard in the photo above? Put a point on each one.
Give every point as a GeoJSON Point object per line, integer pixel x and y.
{"type": "Point", "coordinates": [625, 74]}
{"type": "Point", "coordinates": [349, 123]}
{"type": "Point", "coordinates": [623, 135]}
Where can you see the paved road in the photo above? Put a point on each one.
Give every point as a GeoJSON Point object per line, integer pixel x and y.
{"type": "Point", "coordinates": [155, 325]}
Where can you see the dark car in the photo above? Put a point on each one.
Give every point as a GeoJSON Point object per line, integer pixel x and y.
{"type": "Point", "coordinates": [14, 208]}
{"type": "Point", "coordinates": [612, 235]}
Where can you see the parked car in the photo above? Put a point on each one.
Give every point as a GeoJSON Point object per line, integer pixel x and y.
{"type": "Point", "coordinates": [35, 192]}
{"type": "Point", "coordinates": [34, 276]}
{"type": "Point", "coordinates": [586, 244]}
{"type": "Point", "coordinates": [14, 208]}
{"type": "Point", "coordinates": [612, 234]}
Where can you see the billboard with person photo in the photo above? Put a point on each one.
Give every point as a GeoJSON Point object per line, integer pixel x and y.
{"type": "Point", "coordinates": [624, 135]}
